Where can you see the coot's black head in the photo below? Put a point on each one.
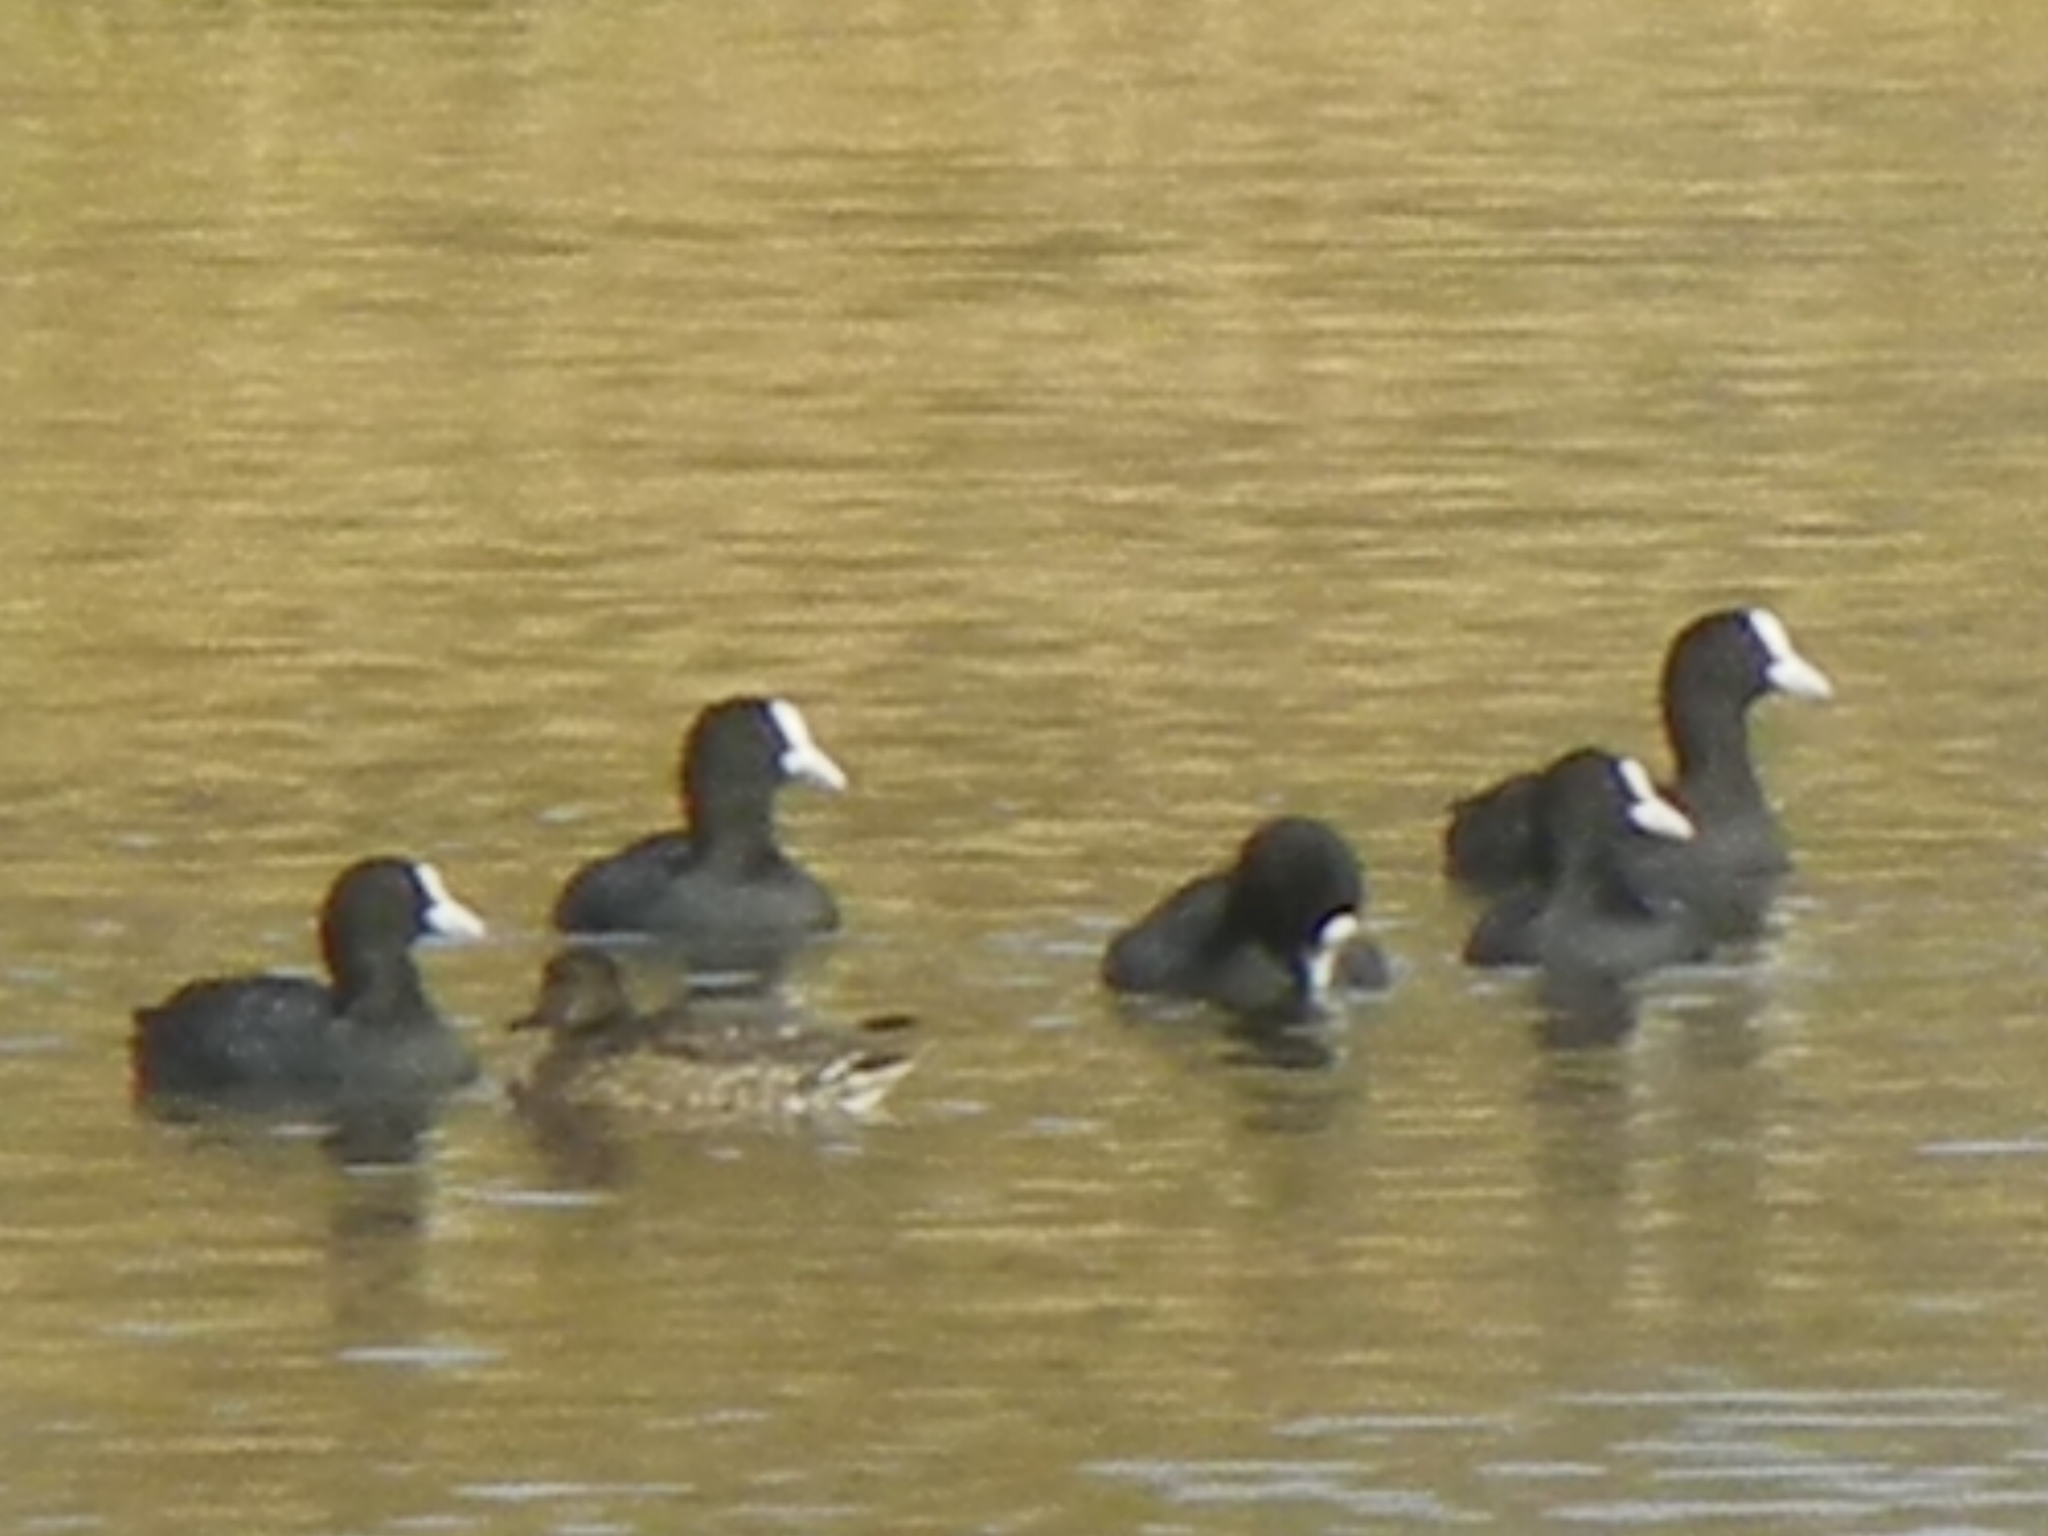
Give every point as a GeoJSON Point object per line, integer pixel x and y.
{"type": "Point", "coordinates": [1590, 801]}
{"type": "Point", "coordinates": [379, 908]}
{"type": "Point", "coordinates": [740, 751]}
{"type": "Point", "coordinates": [1297, 889]}
{"type": "Point", "coordinates": [580, 992]}
{"type": "Point", "coordinates": [1739, 655]}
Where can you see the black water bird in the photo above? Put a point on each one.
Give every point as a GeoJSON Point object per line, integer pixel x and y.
{"type": "Point", "coordinates": [1589, 918]}
{"type": "Point", "coordinates": [720, 890]}
{"type": "Point", "coordinates": [1271, 937]}
{"type": "Point", "coordinates": [366, 1037]}
{"type": "Point", "coordinates": [1715, 669]}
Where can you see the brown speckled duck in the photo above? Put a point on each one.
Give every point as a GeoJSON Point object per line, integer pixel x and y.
{"type": "Point", "coordinates": [673, 1065]}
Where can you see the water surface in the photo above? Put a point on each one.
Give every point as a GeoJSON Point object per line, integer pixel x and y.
{"type": "Point", "coordinates": [1111, 428]}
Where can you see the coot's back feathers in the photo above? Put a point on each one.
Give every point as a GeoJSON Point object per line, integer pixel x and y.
{"type": "Point", "coordinates": [614, 894]}
{"type": "Point", "coordinates": [226, 1037]}
{"type": "Point", "coordinates": [1493, 842]}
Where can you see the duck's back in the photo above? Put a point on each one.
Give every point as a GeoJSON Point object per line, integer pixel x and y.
{"type": "Point", "coordinates": [687, 1082]}
{"type": "Point", "coordinates": [685, 1071]}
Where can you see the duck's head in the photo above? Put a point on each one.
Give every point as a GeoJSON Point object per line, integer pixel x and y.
{"type": "Point", "coordinates": [581, 992]}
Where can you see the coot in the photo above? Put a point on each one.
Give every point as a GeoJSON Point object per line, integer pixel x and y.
{"type": "Point", "coordinates": [1268, 938]}
{"type": "Point", "coordinates": [1589, 918]}
{"type": "Point", "coordinates": [368, 1034]}
{"type": "Point", "coordinates": [1716, 667]}
{"type": "Point", "coordinates": [721, 891]}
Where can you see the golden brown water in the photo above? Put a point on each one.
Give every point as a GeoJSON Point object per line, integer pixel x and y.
{"type": "Point", "coordinates": [1111, 425]}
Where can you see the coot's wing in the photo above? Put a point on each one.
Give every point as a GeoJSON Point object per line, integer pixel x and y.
{"type": "Point", "coordinates": [1506, 932]}
{"type": "Point", "coordinates": [619, 893]}
{"type": "Point", "coordinates": [238, 1037]}
{"type": "Point", "coordinates": [1494, 841]}
{"type": "Point", "coordinates": [1169, 949]}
